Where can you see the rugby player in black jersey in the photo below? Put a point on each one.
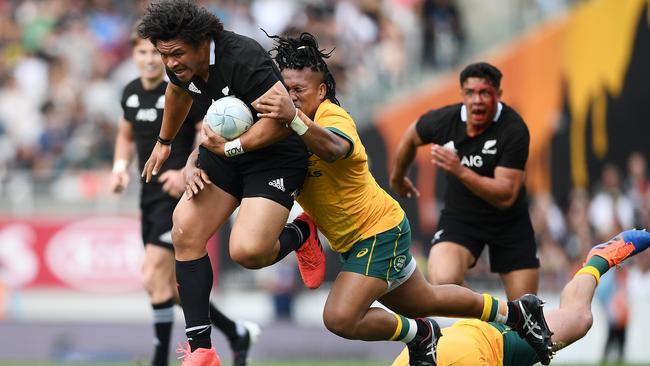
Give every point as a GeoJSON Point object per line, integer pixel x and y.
{"type": "Point", "coordinates": [482, 145]}
{"type": "Point", "coordinates": [142, 102]}
{"type": "Point", "coordinates": [260, 172]}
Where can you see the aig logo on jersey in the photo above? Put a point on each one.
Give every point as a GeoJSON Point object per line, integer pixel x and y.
{"type": "Point", "coordinates": [146, 115]}
{"type": "Point", "coordinates": [472, 161]}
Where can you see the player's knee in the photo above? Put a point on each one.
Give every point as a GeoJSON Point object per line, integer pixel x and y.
{"type": "Point", "coordinates": [440, 278]}
{"type": "Point", "coordinates": [182, 238]}
{"type": "Point", "coordinates": [340, 323]}
{"type": "Point", "coordinates": [152, 281]}
{"type": "Point", "coordinates": [247, 257]}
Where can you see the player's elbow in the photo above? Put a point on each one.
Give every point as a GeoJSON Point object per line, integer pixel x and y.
{"type": "Point", "coordinates": [506, 201]}
{"type": "Point", "coordinates": [331, 152]}
{"type": "Point", "coordinates": [584, 321]}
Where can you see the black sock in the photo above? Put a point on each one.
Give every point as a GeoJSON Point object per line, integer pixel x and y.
{"type": "Point", "coordinates": [514, 315]}
{"type": "Point", "coordinates": [163, 318]}
{"type": "Point", "coordinates": [423, 329]}
{"type": "Point", "coordinates": [223, 323]}
{"type": "Point", "coordinates": [291, 238]}
{"type": "Point", "coordinates": [194, 284]}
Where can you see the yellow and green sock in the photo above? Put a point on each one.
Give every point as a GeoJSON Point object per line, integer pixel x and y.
{"type": "Point", "coordinates": [596, 266]}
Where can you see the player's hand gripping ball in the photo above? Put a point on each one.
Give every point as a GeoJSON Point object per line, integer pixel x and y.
{"type": "Point", "coordinates": [229, 117]}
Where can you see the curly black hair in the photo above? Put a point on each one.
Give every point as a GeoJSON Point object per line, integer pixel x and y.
{"type": "Point", "coordinates": [298, 53]}
{"type": "Point", "coordinates": [482, 70]}
{"type": "Point", "coordinates": [178, 19]}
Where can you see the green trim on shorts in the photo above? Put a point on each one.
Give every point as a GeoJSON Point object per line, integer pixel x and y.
{"type": "Point", "coordinates": [383, 256]}
{"type": "Point", "coordinates": [516, 351]}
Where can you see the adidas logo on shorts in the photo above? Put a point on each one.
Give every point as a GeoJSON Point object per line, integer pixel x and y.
{"type": "Point", "coordinates": [277, 183]}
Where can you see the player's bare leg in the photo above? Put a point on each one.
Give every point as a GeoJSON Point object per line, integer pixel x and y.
{"type": "Point", "coordinates": [347, 311]}
{"type": "Point", "coordinates": [253, 240]}
{"type": "Point", "coordinates": [418, 298]}
{"type": "Point", "coordinates": [160, 283]}
{"type": "Point", "coordinates": [158, 273]}
{"type": "Point", "coordinates": [520, 282]}
{"type": "Point", "coordinates": [196, 220]}
{"type": "Point", "coordinates": [448, 263]}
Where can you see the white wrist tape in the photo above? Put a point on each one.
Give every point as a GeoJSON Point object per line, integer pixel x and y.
{"type": "Point", "coordinates": [120, 165]}
{"type": "Point", "coordinates": [233, 148]}
{"type": "Point", "coordinates": [298, 126]}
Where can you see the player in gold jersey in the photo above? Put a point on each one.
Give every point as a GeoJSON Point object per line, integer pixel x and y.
{"type": "Point", "coordinates": [474, 343]}
{"type": "Point", "coordinates": [369, 228]}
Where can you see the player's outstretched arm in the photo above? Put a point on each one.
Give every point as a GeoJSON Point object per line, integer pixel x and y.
{"type": "Point", "coordinates": [399, 182]}
{"type": "Point", "coordinates": [122, 156]}
{"type": "Point", "coordinates": [177, 106]}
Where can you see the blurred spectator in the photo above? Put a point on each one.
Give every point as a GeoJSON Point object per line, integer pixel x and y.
{"type": "Point", "coordinates": [280, 280]}
{"type": "Point", "coordinates": [612, 293]}
{"type": "Point", "coordinates": [443, 33]}
{"type": "Point", "coordinates": [580, 236]}
{"type": "Point", "coordinates": [611, 210]}
{"type": "Point", "coordinates": [637, 187]}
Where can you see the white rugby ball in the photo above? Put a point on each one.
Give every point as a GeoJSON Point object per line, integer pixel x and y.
{"type": "Point", "coordinates": [229, 117]}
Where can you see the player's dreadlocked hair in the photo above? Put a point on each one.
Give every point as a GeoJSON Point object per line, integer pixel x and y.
{"type": "Point", "coordinates": [170, 19]}
{"type": "Point", "coordinates": [301, 52]}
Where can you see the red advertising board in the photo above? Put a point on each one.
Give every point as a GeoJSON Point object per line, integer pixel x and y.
{"type": "Point", "coordinates": [99, 254]}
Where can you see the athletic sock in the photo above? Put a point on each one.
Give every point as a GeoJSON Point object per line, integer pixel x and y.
{"type": "Point", "coordinates": [194, 284]}
{"type": "Point", "coordinates": [406, 329]}
{"type": "Point", "coordinates": [163, 319]}
{"type": "Point", "coordinates": [223, 323]}
{"type": "Point", "coordinates": [596, 266]}
{"type": "Point", "coordinates": [494, 310]}
{"type": "Point", "coordinates": [292, 237]}
{"type": "Point", "coordinates": [514, 315]}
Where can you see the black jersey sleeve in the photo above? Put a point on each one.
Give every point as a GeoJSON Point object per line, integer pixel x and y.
{"type": "Point", "coordinates": [249, 69]}
{"type": "Point", "coordinates": [515, 147]}
{"type": "Point", "coordinates": [429, 125]}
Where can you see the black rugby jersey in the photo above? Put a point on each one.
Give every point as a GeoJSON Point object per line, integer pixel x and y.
{"type": "Point", "coordinates": [504, 143]}
{"type": "Point", "coordinates": [143, 109]}
{"type": "Point", "coordinates": [241, 67]}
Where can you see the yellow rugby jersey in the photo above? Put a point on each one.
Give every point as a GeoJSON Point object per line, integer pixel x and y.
{"type": "Point", "coordinates": [342, 197]}
{"type": "Point", "coordinates": [468, 342]}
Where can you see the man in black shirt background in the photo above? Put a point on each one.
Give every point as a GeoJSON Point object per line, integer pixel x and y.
{"type": "Point", "coordinates": [482, 145]}
{"type": "Point", "coordinates": [143, 100]}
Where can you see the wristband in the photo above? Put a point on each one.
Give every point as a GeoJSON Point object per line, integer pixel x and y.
{"type": "Point", "coordinates": [233, 148]}
{"type": "Point", "coordinates": [298, 126]}
{"type": "Point", "coordinates": [120, 165]}
{"type": "Point", "coordinates": [164, 141]}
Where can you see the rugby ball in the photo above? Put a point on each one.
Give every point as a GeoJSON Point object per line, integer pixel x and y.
{"type": "Point", "coordinates": [229, 117]}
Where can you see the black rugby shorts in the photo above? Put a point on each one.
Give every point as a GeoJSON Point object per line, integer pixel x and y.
{"type": "Point", "coordinates": [511, 244]}
{"type": "Point", "coordinates": [258, 176]}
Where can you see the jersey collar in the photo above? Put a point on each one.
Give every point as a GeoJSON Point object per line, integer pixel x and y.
{"type": "Point", "coordinates": [212, 58]}
{"type": "Point", "coordinates": [463, 113]}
